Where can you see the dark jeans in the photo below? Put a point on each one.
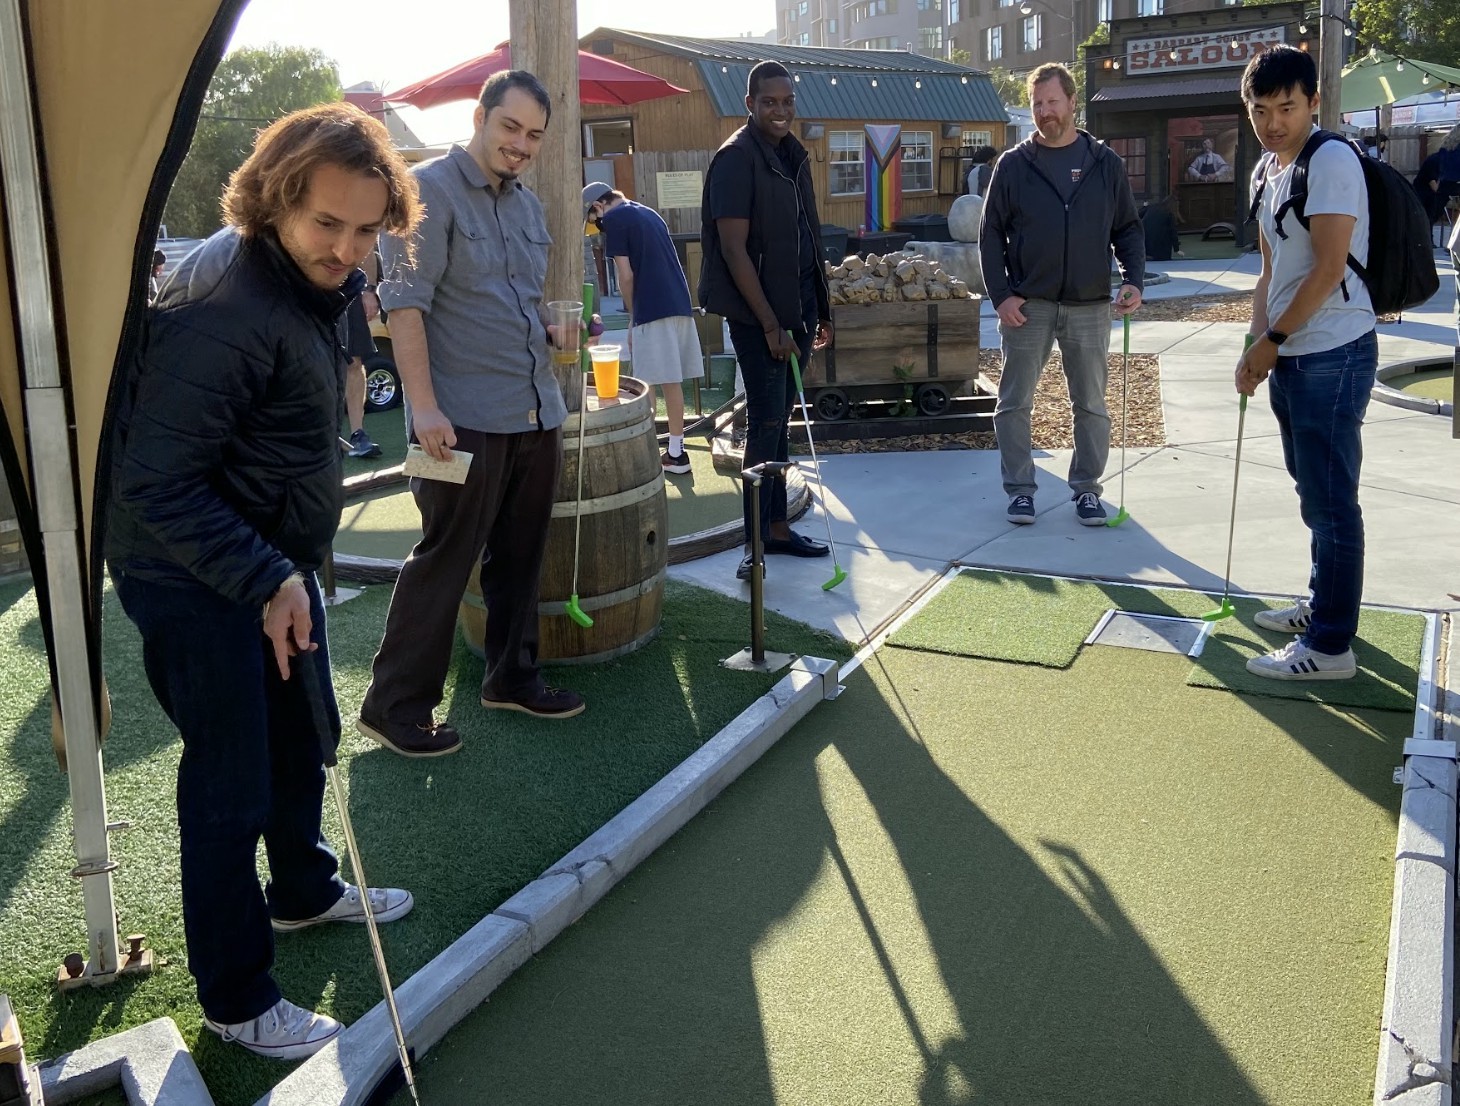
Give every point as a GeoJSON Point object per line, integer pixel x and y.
{"type": "Point", "coordinates": [497, 522]}
{"type": "Point", "coordinates": [1319, 400]}
{"type": "Point", "coordinates": [770, 393]}
{"type": "Point", "coordinates": [251, 767]}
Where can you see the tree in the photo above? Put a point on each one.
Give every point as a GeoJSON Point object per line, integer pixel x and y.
{"type": "Point", "coordinates": [1426, 30]}
{"type": "Point", "coordinates": [1011, 89]}
{"type": "Point", "coordinates": [251, 89]}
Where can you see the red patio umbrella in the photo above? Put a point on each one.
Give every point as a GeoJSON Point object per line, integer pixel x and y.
{"type": "Point", "coordinates": [600, 81]}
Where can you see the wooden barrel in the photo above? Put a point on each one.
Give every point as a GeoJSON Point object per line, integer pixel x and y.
{"type": "Point", "coordinates": [625, 544]}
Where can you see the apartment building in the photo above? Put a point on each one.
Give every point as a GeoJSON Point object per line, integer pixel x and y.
{"type": "Point", "coordinates": [919, 26]}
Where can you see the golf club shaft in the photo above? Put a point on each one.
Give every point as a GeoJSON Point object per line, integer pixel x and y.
{"type": "Point", "coordinates": [375, 947]}
{"type": "Point", "coordinates": [1232, 521]}
{"type": "Point", "coordinates": [1124, 402]}
{"type": "Point", "coordinates": [578, 500]}
{"type": "Point", "coordinates": [816, 464]}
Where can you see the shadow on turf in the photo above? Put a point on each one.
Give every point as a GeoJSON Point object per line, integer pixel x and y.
{"type": "Point", "coordinates": [656, 997]}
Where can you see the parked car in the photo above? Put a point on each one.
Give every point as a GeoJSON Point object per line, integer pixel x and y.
{"type": "Point", "coordinates": [382, 379]}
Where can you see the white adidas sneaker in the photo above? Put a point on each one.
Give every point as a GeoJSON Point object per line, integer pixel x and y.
{"type": "Point", "coordinates": [1295, 661]}
{"type": "Point", "coordinates": [1288, 620]}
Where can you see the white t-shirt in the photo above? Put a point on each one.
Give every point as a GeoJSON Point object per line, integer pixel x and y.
{"type": "Point", "coordinates": [1335, 187]}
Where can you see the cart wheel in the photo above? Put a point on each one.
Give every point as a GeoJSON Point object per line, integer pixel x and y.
{"type": "Point", "coordinates": [933, 399]}
{"type": "Point", "coordinates": [832, 404]}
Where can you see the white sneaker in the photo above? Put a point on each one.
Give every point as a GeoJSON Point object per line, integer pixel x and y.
{"type": "Point", "coordinates": [283, 1031]}
{"type": "Point", "coordinates": [1289, 620]}
{"type": "Point", "coordinates": [386, 903]}
{"type": "Point", "coordinates": [1295, 661]}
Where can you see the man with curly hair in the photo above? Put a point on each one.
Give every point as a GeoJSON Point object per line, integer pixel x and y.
{"type": "Point", "coordinates": [225, 494]}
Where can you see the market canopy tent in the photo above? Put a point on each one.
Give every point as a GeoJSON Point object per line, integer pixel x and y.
{"type": "Point", "coordinates": [1377, 78]}
{"type": "Point", "coordinates": [600, 81]}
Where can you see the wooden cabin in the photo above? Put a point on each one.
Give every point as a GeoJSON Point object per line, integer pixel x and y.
{"type": "Point", "coordinates": [656, 152]}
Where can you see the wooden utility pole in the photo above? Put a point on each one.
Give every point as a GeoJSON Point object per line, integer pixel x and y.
{"type": "Point", "coordinates": [1330, 64]}
{"type": "Point", "coordinates": [545, 42]}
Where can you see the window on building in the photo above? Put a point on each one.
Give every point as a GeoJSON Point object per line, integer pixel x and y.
{"type": "Point", "coordinates": [802, 8]}
{"type": "Point", "coordinates": [977, 138]}
{"type": "Point", "coordinates": [993, 43]}
{"type": "Point", "coordinates": [1103, 11]}
{"type": "Point", "coordinates": [831, 26]}
{"type": "Point", "coordinates": [1133, 152]}
{"type": "Point", "coordinates": [846, 177]}
{"type": "Point", "coordinates": [1150, 7]}
{"type": "Point", "coordinates": [1006, 3]}
{"type": "Point", "coordinates": [917, 161]}
{"type": "Point", "coordinates": [931, 37]}
{"type": "Point", "coordinates": [1031, 27]}
{"type": "Point", "coordinates": [805, 38]}
{"type": "Point", "coordinates": [955, 10]}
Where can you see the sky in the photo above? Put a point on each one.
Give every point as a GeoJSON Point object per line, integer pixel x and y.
{"type": "Point", "coordinates": [369, 40]}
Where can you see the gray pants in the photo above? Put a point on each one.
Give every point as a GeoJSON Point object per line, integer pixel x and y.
{"type": "Point", "coordinates": [1083, 333]}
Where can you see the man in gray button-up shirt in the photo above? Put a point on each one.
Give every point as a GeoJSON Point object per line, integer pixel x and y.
{"type": "Point", "coordinates": [468, 336]}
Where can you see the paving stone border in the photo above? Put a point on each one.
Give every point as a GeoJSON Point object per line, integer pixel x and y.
{"type": "Point", "coordinates": [459, 979]}
{"type": "Point", "coordinates": [151, 1064]}
{"type": "Point", "coordinates": [1395, 398]}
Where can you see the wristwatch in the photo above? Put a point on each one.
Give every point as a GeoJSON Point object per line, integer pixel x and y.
{"type": "Point", "coordinates": [1276, 337]}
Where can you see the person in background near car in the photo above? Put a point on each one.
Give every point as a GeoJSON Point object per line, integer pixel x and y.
{"type": "Point", "coordinates": [225, 493]}
{"type": "Point", "coordinates": [467, 328]}
{"type": "Point", "coordinates": [154, 280]}
{"type": "Point", "coordinates": [358, 346]}
{"type": "Point", "coordinates": [1057, 204]}
{"type": "Point", "coordinates": [763, 273]}
{"type": "Point", "coordinates": [1314, 342]}
{"type": "Point", "coordinates": [980, 171]}
{"type": "Point", "coordinates": [1159, 223]}
{"type": "Point", "coordinates": [663, 342]}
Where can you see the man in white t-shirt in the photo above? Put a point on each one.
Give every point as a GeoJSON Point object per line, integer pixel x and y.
{"type": "Point", "coordinates": [1313, 328]}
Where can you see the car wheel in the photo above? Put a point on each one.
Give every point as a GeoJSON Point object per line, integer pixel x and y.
{"type": "Point", "coordinates": [382, 385]}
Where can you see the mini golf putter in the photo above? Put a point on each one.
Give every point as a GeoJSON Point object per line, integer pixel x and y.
{"type": "Point", "coordinates": [573, 608]}
{"type": "Point", "coordinates": [1122, 514]}
{"type": "Point", "coordinates": [1226, 610]}
{"type": "Point", "coordinates": [838, 573]}
{"type": "Point", "coordinates": [422, 464]}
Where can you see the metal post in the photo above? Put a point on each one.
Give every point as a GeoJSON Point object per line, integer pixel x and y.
{"type": "Point", "coordinates": [755, 658]}
{"type": "Point", "coordinates": [333, 596]}
{"type": "Point", "coordinates": [52, 460]}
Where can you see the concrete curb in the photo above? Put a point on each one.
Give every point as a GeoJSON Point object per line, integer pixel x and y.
{"type": "Point", "coordinates": [460, 978]}
{"type": "Point", "coordinates": [151, 1064]}
{"type": "Point", "coordinates": [1416, 1031]}
{"type": "Point", "coordinates": [1395, 398]}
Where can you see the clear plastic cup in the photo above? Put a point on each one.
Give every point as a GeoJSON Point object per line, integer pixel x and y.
{"type": "Point", "coordinates": [567, 317]}
{"type": "Point", "coordinates": [605, 370]}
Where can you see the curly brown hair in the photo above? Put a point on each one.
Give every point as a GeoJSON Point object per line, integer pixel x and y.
{"type": "Point", "coordinates": [274, 179]}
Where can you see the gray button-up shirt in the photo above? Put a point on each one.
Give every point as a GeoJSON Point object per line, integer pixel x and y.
{"type": "Point", "coordinates": [481, 261]}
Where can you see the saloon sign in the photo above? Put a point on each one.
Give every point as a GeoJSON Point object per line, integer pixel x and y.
{"type": "Point", "coordinates": [1186, 53]}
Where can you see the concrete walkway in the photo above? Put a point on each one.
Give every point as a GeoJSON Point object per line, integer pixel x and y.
{"type": "Point", "coordinates": [900, 519]}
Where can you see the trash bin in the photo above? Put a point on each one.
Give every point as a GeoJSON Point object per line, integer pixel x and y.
{"type": "Point", "coordinates": [879, 242]}
{"type": "Point", "coordinates": [925, 228]}
{"type": "Point", "coordinates": [833, 243]}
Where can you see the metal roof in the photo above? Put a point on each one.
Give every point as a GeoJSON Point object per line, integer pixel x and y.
{"type": "Point", "coordinates": [1140, 89]}
{"type": "Point", "coordinates": [836, 84]}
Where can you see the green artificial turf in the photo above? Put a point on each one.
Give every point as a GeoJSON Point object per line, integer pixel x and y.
{"type": "Point", "coordinates": [1433, 384]}
{"type": "Point", "coordinates": [463, 832]}
{"type": "Point", "coordinates": [1039, 620]}
{"type": "Point", "coordinates": [387, 429]}
{"type": "Point", "coordinates": [968, 881]}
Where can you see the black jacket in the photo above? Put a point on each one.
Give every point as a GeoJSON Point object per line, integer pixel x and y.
{"type": "Point", "coordinates": [225, 456]}
{"type": "Point", "coordinates": [1032, 244]}
{"type": "Point", "coordinates": [774, 242]}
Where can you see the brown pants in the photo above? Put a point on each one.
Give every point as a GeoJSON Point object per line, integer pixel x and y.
{"type": "Point", "coordinates": [501, 514]}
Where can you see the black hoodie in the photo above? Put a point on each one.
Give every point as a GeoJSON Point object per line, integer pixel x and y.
{"type": "Point", "coordinates": [1033, 244]}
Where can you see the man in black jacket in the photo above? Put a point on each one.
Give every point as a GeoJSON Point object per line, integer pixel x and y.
{"type": "Point", "coordinates": [1056, 205]}
{"type": "Point", "coordinates": [762, 272]}
{"type": "Point", "coordinates": [225, 495]}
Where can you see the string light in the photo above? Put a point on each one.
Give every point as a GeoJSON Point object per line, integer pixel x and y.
{"type": "Point", "coordinates": [874, 82]}
{"type": "Point", "coordinates": [917, 84]}
{"type": "Point", "coordinates": [965, 80]}
{"type": "Point", "coordinates": [1348, 32]}
{"type": "Point", "coordinates": [1426, 80]}
{"type": "Point", "coordinates": [798, 78]}
{"type": "Point", "coordinates": [833, 80]}
{"type": "Point", "coordinates": [1399, 66]}
{"type": "Point", "coordinates": [1302, 28]}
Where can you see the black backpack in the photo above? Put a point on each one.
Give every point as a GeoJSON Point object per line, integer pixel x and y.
{"type": "Point", "coordinates": [1401, 271]}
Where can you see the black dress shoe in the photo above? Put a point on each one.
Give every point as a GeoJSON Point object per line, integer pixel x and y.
{"type": "Point", "coordinates": [797, 545]}
{"type": "Point", "coordinates": [540, 702]}
{"type": "Point", "coordinates": [747, 566]}
{"type": "Point", "coordinates": [411, 739]}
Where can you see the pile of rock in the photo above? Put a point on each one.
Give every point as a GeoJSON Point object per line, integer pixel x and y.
{"type": "Point", "coordinates": [895, 278]}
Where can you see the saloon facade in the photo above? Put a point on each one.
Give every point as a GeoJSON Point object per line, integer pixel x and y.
{"type": "Point", "coordinates": [1165, 95]}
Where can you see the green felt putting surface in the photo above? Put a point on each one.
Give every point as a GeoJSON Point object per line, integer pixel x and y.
{"type": "Point", "coordinates": [463, 833]}
{"type": "Point", "coordinates": [1039, 620]}
{"type": "Point", "coordinates": [387, 524]}
{"type": "Point", "coordinates": [967, 881]}
{"type": "Point", "coordinates": [1434, 384]}
{"type": "Point", "coordinates": [387, 429]}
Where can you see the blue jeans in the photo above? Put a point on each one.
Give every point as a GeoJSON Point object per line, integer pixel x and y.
{"type": "Point", "coordinates": [770, 393]}
{"type": "Point", "coordinates": [251, 767]}
{"type": "Point", "coordinates": [1319, 400]}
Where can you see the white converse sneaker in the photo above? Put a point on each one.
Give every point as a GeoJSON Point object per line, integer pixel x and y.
{"type": "Point", "coordinates": [283, 1031]}
{"type": "Point", "coordinates": [386, 903]}
{"type": "Point", "coordinates": [1289, 620]}
{"type": "Point", "coordinates": [1295, 661]}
